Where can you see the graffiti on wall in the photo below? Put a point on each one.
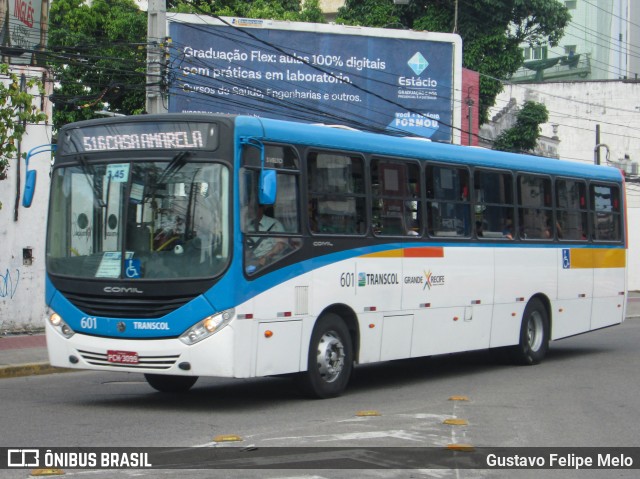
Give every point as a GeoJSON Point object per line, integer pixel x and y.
{"type": "Point", "coordinates": [9, 283]}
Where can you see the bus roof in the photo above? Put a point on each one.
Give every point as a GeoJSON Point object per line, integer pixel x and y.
{"type": "Point", "coordinates": [349, 140]}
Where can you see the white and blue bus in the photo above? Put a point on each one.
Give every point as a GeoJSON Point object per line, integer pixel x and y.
{"type": "Point", "coordinates": [187, 245]}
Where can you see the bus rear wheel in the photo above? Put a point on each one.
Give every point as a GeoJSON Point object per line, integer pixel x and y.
{"type": "Point", "coordinates": [534, 335]}
{"type": "Point", "coordinates": [330, 359]}
{"type": "Point", "coordinates": [170, 384]}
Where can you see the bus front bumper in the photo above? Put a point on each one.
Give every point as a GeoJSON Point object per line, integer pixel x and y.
{"type": "Point", "coordinates": [213, 356]}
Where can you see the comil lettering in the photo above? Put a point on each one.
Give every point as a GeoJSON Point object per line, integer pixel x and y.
{"type": "Point", "coordinates": [120, 289]}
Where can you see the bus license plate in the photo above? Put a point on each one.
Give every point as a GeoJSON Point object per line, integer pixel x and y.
{"type": "Point", "coordinates": [122, 357]}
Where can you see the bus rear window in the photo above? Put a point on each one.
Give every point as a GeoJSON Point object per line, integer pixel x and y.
{"type": "Point", "coordinates": [605, 213]}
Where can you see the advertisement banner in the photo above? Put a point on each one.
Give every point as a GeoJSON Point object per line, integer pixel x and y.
{"type": "Point", "coordinates": [395, 81]}
{"type": "Point", "coordinates": [23, 31]}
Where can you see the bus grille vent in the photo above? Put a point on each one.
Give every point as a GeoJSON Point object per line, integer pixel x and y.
{"type": "Point", "coordinates": [138, 308]}
{"type": "Point", "coordinates": [302, 300]}
{"type": "Point", "coordinates": [144, 362]}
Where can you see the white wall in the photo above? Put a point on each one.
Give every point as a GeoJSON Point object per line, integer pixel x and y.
{"type": "Point", "coordinates": [576, 108]}
{"type": "Point", "coordinates": [22, 286]}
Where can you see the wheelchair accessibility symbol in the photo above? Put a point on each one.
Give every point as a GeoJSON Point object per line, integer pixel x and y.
{"type": "Point", "coordinates": [566, 259]}
{"type": "Point", "coordinates": [132, 268]}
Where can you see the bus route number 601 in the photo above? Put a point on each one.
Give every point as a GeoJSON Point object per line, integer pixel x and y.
{"type": "Point", "coordinates": [89, 322]}
{"type": "Point", "coordinates": [347, 280]}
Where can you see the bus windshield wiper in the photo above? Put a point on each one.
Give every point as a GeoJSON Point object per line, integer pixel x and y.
{"type": "Point", "coordinates": [176, 163]}
{"type": "Point", "coordinates": [90, 175]}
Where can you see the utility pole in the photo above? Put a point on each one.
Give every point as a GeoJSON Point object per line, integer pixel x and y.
{"type": "Point", "coordinates": [156, 35]}
{"type": "Point", "coordinates": [597, 158]}
{"type": "Point", "coordinates": [470, 114]}
{"type": "Point", "coordinates": [455, 18]}
{"type": "Point", "coordinates": [596, 149]}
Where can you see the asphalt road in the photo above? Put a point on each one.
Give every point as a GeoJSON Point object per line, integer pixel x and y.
{"type": "Point", "coordinates": [585, 394]}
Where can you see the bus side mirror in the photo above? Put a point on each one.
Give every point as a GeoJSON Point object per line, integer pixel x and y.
{"type": "Point", "coordinates": [268, 187]}
{"type": "Point", "coordinates": [29, 188]}
{"type": "Point", "coordinates": [30, 177]}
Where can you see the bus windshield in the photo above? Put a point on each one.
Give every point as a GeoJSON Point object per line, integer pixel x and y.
{"type": "Point", "coordinates": [139, 220]}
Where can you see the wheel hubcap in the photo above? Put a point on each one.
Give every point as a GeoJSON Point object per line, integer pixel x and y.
{"type": "Point", "coordinates": [534, 331]}
{"type": "Point", "coordinates": [330, 358]}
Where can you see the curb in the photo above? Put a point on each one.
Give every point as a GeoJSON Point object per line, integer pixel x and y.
{"type": "Point", "coordinates": [21, 370]}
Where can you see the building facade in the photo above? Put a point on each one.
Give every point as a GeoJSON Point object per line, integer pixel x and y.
{"type": "Point", "coordinates": [600, 43]}
{"type": "Point", "coordinates": [22, 230]}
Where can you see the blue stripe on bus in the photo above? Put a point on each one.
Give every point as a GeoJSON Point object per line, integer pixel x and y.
{"type": "Point", "coordinates": [234, 289]}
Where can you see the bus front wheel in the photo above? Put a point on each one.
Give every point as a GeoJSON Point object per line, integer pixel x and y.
{"type": "Point", "coordinates": [534, 335]}
{"type": "Point", "coordinates": [170, 384]}
{"type": "Point", "coordinates": [330, 359]}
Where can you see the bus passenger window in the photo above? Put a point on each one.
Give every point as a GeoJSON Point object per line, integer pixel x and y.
{"type": "Point", "coordinates": [571, 210]}
{"type": "Point", "coordinates": [336, 194]}
{"type": "Point", "coordinates": [493, 204]}
{"type": "Point", "coordinates": [448, 206]}
{"type": "Point", "coordinates": [535, 209]}
{"type": "Point", "coordinates": [396, 206]}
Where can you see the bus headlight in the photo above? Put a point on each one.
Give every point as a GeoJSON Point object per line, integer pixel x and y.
{"type": "Point", "coordinates": [60, 326]}
{"type": "Point", "coordinates": [208, 326]}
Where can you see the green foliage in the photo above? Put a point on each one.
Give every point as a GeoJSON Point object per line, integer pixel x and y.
{"type": "Point", "coordinates": [100, 48]}
{"type": "Point", "coordinates": [268, 9]}
{"type": "Point", "coordinates": [16, 112]}
{"type": "Point", "coordinates": [99, 57]}
{"type": "Point", "coordinates": [491, 30]}
{"type": "Point", "coordinates": [372, 13]}
{"type": "Point", "coordinates": [523, 136]}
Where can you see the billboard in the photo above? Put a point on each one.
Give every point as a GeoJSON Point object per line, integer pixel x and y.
{"type": "Point", "coordinates": [395, 81]}
{"type": "Point", "coordinates": [23, 31]}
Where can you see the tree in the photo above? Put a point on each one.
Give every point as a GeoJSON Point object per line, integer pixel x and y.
{"type": "Point", "coordinates": [16, 112]}
{"type": "Point", "coordinates": [98, 56]}
{"type": "Point", "coordinates": [290, 10]}
{"type": "Point", "coordinates": [98, 49]}
{"type": "Point", "coordinates": [523, 136]}
{"type": "Point", "coordinates": [491, 30]}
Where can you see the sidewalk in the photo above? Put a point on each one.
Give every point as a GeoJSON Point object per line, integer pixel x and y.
{"type": "Point", "coordinates": [26, 355]}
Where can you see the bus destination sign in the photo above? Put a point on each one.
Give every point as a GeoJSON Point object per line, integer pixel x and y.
{"type": "Point", "coordinates": [143, 136]}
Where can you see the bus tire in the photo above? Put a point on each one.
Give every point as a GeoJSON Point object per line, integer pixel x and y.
{"type": "Point", "coordinates": [534, 335]}
{"type": "Point", "coordinates": [170, 384]}
{"type": "Point", "coordinates": [330, 359]}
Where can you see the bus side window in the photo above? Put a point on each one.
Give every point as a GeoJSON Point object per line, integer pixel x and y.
{"type": "Point", "coordinates": [535, 210]}
{"type": "Point", "coordinates": [270, 229]}
{"type": "Point", "coordinates": [396, 206]}
{"type": "Point", "coordinates": [448, 205]}
{"type": "Point", "coordinates": [571, 210]}
{"type": "Point", "coordinates": [336, 194]}
{"type": "Point", "coordinates": [605, 212]}
{"type": "Point", "coordinates": [493, 204]}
